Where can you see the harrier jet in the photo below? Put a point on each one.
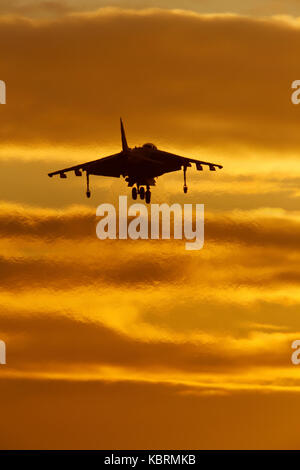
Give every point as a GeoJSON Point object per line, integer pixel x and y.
{"type": "Point", "coordinates": [140, 166]}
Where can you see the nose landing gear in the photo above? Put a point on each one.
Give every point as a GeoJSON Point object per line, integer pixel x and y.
{"type": "Point", "coordinates": [148, 195]}
{"type": "Point", "coordinates": [143, 194]}
{"type": "Point", "coordinates": [134, 193]}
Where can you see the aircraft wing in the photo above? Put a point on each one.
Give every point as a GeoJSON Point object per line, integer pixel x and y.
{"type": "Point", "coordinates": [187, 161]}
{"type": "Point", "coordinates": [107, 166]}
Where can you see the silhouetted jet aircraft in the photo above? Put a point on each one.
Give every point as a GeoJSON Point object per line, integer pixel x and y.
{"type": "Point", "coordinates": [139, 166]}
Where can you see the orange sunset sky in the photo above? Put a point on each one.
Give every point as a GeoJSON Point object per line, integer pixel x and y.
{"type": "Point", "coordinates": [142, 344]}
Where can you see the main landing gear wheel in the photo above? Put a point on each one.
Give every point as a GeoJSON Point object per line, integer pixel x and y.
{"type": "Point", "coordinates": [134, 193]}
{"type": "Point", "coordinates": [142, 193]}
{"type": "Point", "coordinates": [148, 196]}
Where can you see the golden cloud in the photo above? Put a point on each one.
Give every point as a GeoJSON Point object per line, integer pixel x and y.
{"type": "Point", "coordinates": [211, 81]}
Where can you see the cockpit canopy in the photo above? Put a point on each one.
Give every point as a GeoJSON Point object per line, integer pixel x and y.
{"type": "Point", "coordinates": [149, 146]}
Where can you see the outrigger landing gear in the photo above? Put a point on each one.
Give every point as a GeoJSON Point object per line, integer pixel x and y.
{"type": "Point", "coordinates": [88, 192]}
{"type": "Point", "coordinates": [185, 188]}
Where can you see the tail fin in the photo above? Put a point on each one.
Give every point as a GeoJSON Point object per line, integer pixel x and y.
{"type": "Point", "coordinates": [124, 141]}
